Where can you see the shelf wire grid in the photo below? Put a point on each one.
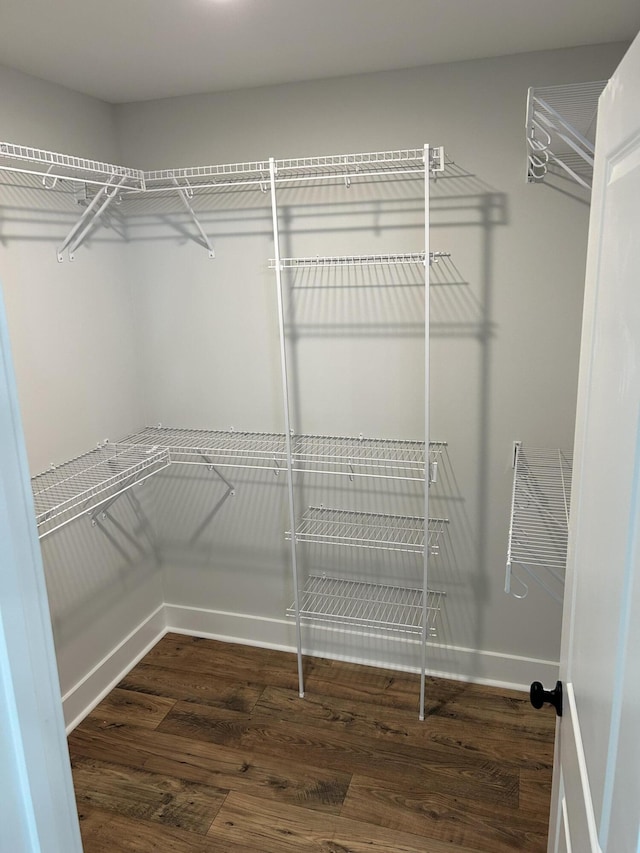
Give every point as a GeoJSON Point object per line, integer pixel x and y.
{"type": "Point", "coordinates": [356, 260]}
{"type": "Point", "coordinates": [323, 525]}
{"type": "Point", "coordinates": [83, 484]}
{"type": "Point", "coordinates": [375, 457]}
{"type": "Point", "coordinates": [52, 166]}
{"type": "Point", "coordinates": [352, 603]}
{"type": "Point", "coordinates": [384, 164]}
{"type": "Point", "coordinates": [225, 176]}
{"type": "Point", "coordinates": [561, 127]}
{"type": "Point", "coordinates": [541, 502]}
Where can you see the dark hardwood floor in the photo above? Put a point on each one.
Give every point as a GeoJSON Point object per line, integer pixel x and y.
{"type": "Point", "coordinates": [205, 746]}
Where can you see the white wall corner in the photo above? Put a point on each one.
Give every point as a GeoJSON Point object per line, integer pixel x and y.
{"type": "Point", "coordinates": [91, 689]}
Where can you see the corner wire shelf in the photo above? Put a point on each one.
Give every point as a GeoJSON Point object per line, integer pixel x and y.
{"type": "Point", "coordinates": [340, 261]}
{"type": "Point", "coordinates": [351, 603]}
{"type": "Point", "coordinates": [561, 128]}
{"type": "Point", "coordinates": [322, 454]}
{"type": "Point", "coordinates": [326, 526]}
{"type": "Point", "coordinates": [81, 485]}
{"type": "Point", "coordinates": [256, 174]}
{"type": "Point", "coordinates": [85, 483]}
{"type": "Point", "coordinates": [539, 528]}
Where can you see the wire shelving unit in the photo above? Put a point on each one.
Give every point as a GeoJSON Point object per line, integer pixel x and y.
{"type": "Point", "coordinates": [381, 531]}
{"type": "Point", "coordinates": [561, 128]}
{"type": "Point", "coordinates": [539, 528]}
{"type": "Point", "coordinates": [324, 454]}
{"type": "Point", "coordinates": [352, 603]}
{"type": "Point", "coordinates": [83, 484]}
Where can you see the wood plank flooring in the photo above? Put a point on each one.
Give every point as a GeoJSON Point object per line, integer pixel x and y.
{"type": "Point", "coordinates": [205, 746]}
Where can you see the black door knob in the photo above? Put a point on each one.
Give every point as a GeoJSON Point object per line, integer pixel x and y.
{"type": "Point", "coordinates": [539, 696]}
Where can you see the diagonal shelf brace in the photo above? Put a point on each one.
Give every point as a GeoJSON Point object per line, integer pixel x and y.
{"type": "Point", "coordinates": [89, 216]}
{"type": "Point", "coordinates": [184, 197]}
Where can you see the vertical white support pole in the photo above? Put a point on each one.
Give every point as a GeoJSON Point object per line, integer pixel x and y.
{"type": "Point", "coordinates": [423, 649]}
{"type": "Point", "coordinates": [287, 419]}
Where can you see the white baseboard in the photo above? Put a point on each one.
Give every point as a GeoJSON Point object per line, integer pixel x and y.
{"type": "Point", "coordinates": [462, 664]}
{"type": "Point", "coordinates": [82, 698]}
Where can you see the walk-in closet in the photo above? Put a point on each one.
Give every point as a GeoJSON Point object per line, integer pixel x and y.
{"type": "Point", "coordinates": [292, 368]}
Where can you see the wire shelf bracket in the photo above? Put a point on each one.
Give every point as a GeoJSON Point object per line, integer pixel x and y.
{"type": "Point", "coordinates": [560, 131]}
{"type": "Point", "coordinates": [185, 194]}
{"type": "Point", "coordinates": [539, 525]}
{"type": "Point", "coordinates": [90, 216]}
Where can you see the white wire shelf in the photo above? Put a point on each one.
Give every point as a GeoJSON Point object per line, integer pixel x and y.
{"type": "Point", "coordinates": [351, 603]}
{"type": "Point", "coordinates": [53, 167]}
{"type": "Point", "coordinates": [323, 525]}
{"type": "Point", "coordinates": [83, 484]}
{"type": "Point", "coordinates": [561, 128]}
{"type": "Point", "coordinates": [416, 258]}
{"type": "Point", "coordinates": [539, 528]}
{"type": "Point", "coordinates": [229, 176]}
{"type": "Point", "coordinates": [351, 456]}
{"type": "Point", "coordinates": [383, 164]}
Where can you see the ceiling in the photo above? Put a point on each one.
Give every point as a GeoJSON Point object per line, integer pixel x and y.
{"type": "Point", "coordinates": [131, 50]}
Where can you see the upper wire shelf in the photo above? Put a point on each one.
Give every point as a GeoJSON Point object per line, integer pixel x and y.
{"type": "Point", "coordinates": [561, 128]}
{"type": "Point", "coordinates": [352, 603]}
{"type": "Point", "coordinates": [539, 528]}
{"type": "Point", "coordinates": [226, 176]}
{"type": "Point", "coordinates": [351, 456]}
{"type": "Point", "coordinates": [364, 165]}
{"type": "Point", "coordinates": [340, 261]}
{"type": "Point", "coordinates": [83, 484]}
{"type": "Point", "coordinates": [53, 167]}
{"type": "Point", "coordinates": [323, 525]}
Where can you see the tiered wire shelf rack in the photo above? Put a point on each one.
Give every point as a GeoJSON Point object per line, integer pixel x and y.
{"type": "Point", "coordinates": [539, 528]}
{"type": "Point", "coordinates": [352, 603]}
{"type": "Point", "coordinates": [561, 128]}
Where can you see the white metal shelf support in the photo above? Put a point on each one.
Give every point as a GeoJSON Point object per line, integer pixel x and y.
{"type": "Point", "coordinates": [185, 194]}
{"type": "Point", "coordinates": [90, 216]}
{"type": "Point", "coordinates": [427, 319]}
{"type": "Point", "coordinates": [287, 419]}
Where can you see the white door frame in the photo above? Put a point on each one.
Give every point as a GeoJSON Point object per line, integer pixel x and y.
{"type": "Point", "coordinates": [37, 805]}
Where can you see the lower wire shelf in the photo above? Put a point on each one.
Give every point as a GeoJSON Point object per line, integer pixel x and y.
{"type": "Point", "coordinates": [83, 484]}
{"type": "Point", "coordinates": [351, 603]}
{"type": "Point", "coordinates": [385, 532]}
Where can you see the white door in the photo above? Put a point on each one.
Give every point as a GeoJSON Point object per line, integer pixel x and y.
{"type": "Point", "coordinates": [596, 797]}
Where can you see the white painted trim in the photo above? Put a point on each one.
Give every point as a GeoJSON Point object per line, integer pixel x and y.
{"type": "Point", "coordinates": [461, 664]}
{"type": "Point", "coordinates": [91, 689]}
{"type": "Point", "coordinates": [37, 808]}
{"type": "Point", "coordinates": [454, 662]}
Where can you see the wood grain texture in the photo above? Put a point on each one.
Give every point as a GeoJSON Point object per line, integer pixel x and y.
{"type": "Point", "coordinates": [132, 707]}
{"type": "Point", "coordinates": [206, 746]}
